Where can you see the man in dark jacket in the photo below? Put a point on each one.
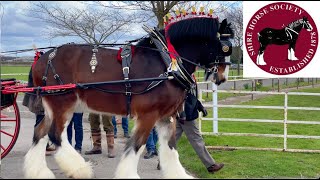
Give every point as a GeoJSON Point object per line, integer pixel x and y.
{"type": "Point", "coordinates": [186, 123]}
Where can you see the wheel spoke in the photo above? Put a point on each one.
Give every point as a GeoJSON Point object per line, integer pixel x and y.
{"type": "Point", "coordinates": [8, 119]}
{"type": "Point", "coordinates": [6, 133]}
{"type": "Point", "coordinates": [2, 147]}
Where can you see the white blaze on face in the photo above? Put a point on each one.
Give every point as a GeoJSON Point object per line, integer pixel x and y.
{"type": "Point", "coordinates": [226, 70]}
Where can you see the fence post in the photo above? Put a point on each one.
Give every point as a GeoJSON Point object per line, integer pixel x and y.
{"type": "Point", "coordinates": [286, 82]}
{"type": "Point", "coordinates": [272, 84]}
{"type": "Point", "coordinates": [298, 83]}
{"type": "Point", "coordinates": [215, 107]}
{"type": "Point", "coordinates": [285, 125]}
{"type": "Point", "coordinates": [278, 85]}
{"type": "Point", "coordinates": [252, 89]}
{"type": "Point", "coordinates": [200, 116]}
{"type": "Point", "coordinates": [207, 89]}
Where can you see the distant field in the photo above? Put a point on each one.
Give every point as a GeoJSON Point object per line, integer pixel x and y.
{"type": "Point", "coordinates": [15, 70]}
{"type": "Point", "coordinates": [261, 164]}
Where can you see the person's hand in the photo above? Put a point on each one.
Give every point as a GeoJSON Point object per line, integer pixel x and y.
{"type": "Point", "coordinates": [181, 120]}
{"type": "Point", "coordinates": [204, 112]}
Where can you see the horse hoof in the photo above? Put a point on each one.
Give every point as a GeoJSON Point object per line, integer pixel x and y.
{"type": "Point", "coordinates": [262, 63]}
{"type": "Point", "coordinates": [84, 172]}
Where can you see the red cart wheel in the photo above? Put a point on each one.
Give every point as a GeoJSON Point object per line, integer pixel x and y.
{"type": "Point", "coordinates": [10, 127]}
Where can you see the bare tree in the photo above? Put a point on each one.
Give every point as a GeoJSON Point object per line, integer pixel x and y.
{"type": "Point", "coordinates": [94, 25]}
{"type": "Point", "coordinates": [155, 9]}
{"type": "Point", "coordinates": [235, 16]}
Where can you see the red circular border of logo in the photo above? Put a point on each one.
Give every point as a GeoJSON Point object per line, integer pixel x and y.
{"type": "Point", "coordinates": [281, 51]}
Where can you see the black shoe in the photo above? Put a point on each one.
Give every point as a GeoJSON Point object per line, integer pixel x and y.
{"type": "Point", "coordinates": [126, 135]}
{"type": "Point", "coordinates": [78, 150]}
{"type": "Point", "coordinates": [158, 166]}
{"type": "Point", "coordinates": [214, 168]}
{"type": "Point", "coordinates": [149, 155]}
{"type": "Point", "coordinates": [115, 136]}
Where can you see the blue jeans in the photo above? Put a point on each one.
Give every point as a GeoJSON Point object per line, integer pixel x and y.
{"type": "Point", "coordinates": [152, 140]}
{"type": "Point", "coordinates": [78, 129]}
{"type": "Point", "coordinates": [39, 118]}
{"type": "Point", "coordinates": [125, 124]}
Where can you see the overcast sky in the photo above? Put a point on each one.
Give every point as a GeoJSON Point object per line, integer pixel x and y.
{"type": "Point", "coordinates": [20, 31]}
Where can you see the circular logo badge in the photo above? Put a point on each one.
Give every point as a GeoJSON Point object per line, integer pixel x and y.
{"type": "Point", "coordinates": [225, 48]}
{"type": "Point", "coordinates": [281, 38]}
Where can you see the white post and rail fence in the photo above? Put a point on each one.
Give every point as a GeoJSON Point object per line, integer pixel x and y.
{"type": "Point", "coordinates": [215, 120]}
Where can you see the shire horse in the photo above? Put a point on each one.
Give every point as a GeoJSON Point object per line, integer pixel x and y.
{"type": "Point", "coordinates": [286, 35]}
{"type": "Point", "coordinates": [195, 39]}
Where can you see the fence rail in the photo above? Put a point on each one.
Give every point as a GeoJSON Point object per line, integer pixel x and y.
{"type": "Point", "coordinates": [285, 120]}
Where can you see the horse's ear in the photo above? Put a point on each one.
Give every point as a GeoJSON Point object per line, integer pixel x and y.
{"type": "Point", "coordinates": [223, 25]}
{"type": "Point", "coordinates": [305, 18]}
{"type": "Point", "coordinates": [224, 22]}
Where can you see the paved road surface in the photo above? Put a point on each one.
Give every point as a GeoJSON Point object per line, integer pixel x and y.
{"type": "Point", "coordinates": [104, 167]}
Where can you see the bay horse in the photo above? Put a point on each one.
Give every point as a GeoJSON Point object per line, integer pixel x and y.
{"type": "Point", "coordinates": [286, 35]}
{"type": "Point", "coordinates": [194, 39]}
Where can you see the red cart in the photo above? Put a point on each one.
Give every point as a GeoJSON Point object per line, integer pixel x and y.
{"type": "Point", "coordinates": [10, 116]}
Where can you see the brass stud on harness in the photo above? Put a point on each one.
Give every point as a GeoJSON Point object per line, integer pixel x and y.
{"type": "Point", "coordinates": [94, 62]}
{"type": "Point", "coordinates": [225, 48]}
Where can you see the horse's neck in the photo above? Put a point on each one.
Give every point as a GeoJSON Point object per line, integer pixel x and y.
{"type": "Point", "coordinates": [298, 28]}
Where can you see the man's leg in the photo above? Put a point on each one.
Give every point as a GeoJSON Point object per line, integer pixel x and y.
{"type": "Point", "coordinates": [39, 118]}
{"type": "Point", "coordinates": [125, 125]}
{"type": "Point", "coordinates": [78, 129]}
{"type": "Point", "coordinates": [193, 134]}
{"type": "Point", "coordinates": [114, 122]}
{"type": "Point", "coordinates": [108, 128]}
{"type": "Point", "coordinates": [150, 146]}
{"type": "Point", "coordinates": [95, 134]}
{"type": "Point", "coordinates": [69, 131]}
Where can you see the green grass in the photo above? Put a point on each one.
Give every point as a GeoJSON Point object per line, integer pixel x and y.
{"type": "Point", "coordinates": [15, 70]}
{"type": "Point", "coordinates": [251, 164]}
{"type": "Point", "coordinates": [261, 164]}
{"type": "Point", "coordinates": [199, 74]}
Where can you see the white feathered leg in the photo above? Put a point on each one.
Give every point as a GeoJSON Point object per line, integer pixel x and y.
{"type": "Point", "coordinates": [169, 157]}
{"type": "Point", "coordinates": [35, 165]}
{"type": "Point", "coordinates": [70, 161]}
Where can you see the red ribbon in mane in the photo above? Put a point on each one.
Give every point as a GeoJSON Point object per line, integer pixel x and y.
{"type": "Point", "coordinates": [36, 57]}
{"type": "Point", "coordinates": [171, 50]}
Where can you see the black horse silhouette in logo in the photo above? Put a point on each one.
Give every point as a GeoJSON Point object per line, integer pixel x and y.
{"type": "Point", "coordinates": [287, 35]}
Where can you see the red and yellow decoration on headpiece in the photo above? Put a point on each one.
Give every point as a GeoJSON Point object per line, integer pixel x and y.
{"type": "Point", "coordinates": [183, 14]}
{"type": "Point", "coordinates": [168, 20]}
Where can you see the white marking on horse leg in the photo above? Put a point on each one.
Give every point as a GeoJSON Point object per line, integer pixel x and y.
{"type": "Point", "coordinates": [289, 54]}
{"type": "Point", "coordinates": [169, 158]}
{"type": "Point", "coordinates": [260, 60]}
{"type": "Point", "coordinates": [128, 165]}
{"type": "Point", "coordinates": [294, 58]}
{"type": "Point", "coordinates": [35, 165]}
{"type": "Point", "coordinates": [70, 161]}
{"type": "Point", "coordinates": [47, 110]}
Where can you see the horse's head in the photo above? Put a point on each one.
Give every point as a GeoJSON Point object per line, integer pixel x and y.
{"type": "Point", "coordinates": [306, 24]}
{"type": "Point", "coordinates": [197, 39]}
{"type": "Point", "coordinates": [225, 50]}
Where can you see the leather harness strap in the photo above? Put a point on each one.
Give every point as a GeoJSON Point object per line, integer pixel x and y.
{"type": "Point", "coordinates": [126, 56]}
{"type": "Point", "coordinates": [49, 64]}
